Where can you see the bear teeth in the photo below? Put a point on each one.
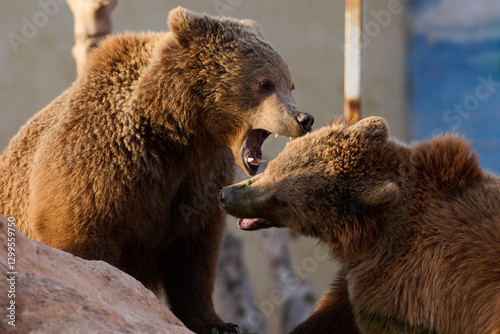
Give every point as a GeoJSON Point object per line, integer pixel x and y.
{"type": "Point", "coordinates": [251, 161]}
{"type": "Point", "coordinates": [255, 162]}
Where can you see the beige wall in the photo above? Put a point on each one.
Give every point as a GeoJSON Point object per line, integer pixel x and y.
{"type": "Point", "coordinates": [307, 33]}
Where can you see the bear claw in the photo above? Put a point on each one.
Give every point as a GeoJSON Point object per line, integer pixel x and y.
{"type": "Point", "coordinates": [235, 330]}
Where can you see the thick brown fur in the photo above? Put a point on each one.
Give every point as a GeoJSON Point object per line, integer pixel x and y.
{"type": "Point", "coordinates": [416, 228]}
{"type": "Point", "coordinates": [126, 165]}
{"type": "Point", "coordinates": [334, 306]}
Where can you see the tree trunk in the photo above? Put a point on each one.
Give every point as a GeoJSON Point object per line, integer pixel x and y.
{"type": "Point", "coordinates": [92, 21]}
{"type": "Point", "coordinates": [295, 297]}
{"type": "Point", "coordinates": [234, 291]}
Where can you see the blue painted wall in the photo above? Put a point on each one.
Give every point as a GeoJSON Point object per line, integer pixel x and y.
{"type": "Point", "coordinates": [454, 72]}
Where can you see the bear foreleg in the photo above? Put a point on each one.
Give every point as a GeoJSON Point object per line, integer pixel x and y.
{"type": "Point", "coordinates": [333, 313]}
{"type": "Point", "coordinates": [188, 273]}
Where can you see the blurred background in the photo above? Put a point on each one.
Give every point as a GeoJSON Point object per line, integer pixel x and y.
{"type": "Point", "coordinates": [430, 66]}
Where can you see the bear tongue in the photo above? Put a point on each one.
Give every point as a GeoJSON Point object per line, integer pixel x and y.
{"type": "Point", "coordinates": [251, 224]}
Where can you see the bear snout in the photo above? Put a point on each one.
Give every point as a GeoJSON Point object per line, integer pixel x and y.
{"type": "Point", "coordinates": [238, 200]}
{"type": "Point", "coordinates": [229, 197]}
{"type": "Point", "coordinates": [305, 120]}
{"type": "Point", "coordinates": [222, 199]}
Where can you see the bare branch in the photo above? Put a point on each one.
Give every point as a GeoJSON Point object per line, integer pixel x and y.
{"type": "Point", "coordinates": [297, 297]}
{"type": "Point", "coordinates": [234, 292]}
{"type": "Point", "coordinates": [92, 21]}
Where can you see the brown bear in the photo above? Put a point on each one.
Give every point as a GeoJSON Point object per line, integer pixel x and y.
{"type": "Point", "coordinates": [416, 228]}
{"type": "Point", "coordinates": [127, 164]}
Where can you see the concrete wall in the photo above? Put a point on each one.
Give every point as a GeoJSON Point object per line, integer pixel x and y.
{"type": "Point", "coordinates": [36, 65]}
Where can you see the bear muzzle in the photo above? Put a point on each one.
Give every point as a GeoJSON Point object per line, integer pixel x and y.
{"type": "Point", "coordinates": [240, 201]}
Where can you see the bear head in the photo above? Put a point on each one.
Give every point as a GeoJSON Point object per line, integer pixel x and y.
{"type": "Point", "coordinates": [333, 184]}
{"type": "Point", "coordinates": [245, 83]}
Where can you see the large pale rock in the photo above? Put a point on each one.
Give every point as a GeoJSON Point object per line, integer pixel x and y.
{"type": "Point", "coordinates": [56, 292]}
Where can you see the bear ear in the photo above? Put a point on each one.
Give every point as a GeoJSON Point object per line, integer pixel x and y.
{"type": "Point", "coordinates": [375, 127]}
{"type": "Point", "coordinates": [379, 195]}
{"type": "Point", "coordinates": [187, 25]}
{"type": "Point", "coordinates": [255, 27]}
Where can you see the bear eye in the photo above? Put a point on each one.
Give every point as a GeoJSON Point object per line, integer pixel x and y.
{"type": "Point", "coordinates": [266, 85]}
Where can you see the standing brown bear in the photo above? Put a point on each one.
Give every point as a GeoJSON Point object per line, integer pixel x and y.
{"type": "Point", "coordinates": [417, 229]}
{"type": "Point", "coordinates": [126, 165]}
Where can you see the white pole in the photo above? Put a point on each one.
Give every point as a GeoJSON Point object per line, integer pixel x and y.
{"type": "Point", "coordinates": [352, 60]}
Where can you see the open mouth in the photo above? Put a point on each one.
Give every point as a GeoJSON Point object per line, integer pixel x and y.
{"type": "Point", "coordinates": [251, 152]}
{"type": "Point", "coordinates": [252, 224]}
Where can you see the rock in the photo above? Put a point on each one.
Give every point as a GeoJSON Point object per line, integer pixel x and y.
{"type": "Point", "coordinates": [56, 292]}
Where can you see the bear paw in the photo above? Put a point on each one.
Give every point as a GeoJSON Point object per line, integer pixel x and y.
{"type": "Point", "coordinates": [228, 329]}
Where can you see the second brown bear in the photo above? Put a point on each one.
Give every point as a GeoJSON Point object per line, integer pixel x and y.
{"type": "Point", "coordinates": [416, 228]}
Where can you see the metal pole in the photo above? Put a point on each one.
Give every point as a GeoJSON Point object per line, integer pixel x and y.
{"type": "Point", "coordinates": [352, 60]}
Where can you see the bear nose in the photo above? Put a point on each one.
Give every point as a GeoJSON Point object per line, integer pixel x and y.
{"type": "Point", "coordinates": [305, 120]}
{"type": "Point", "coordinates": [222, 199]}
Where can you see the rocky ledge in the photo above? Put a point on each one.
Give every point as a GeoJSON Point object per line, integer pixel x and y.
{"type": "Point", "coordinates": [45, 290]}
